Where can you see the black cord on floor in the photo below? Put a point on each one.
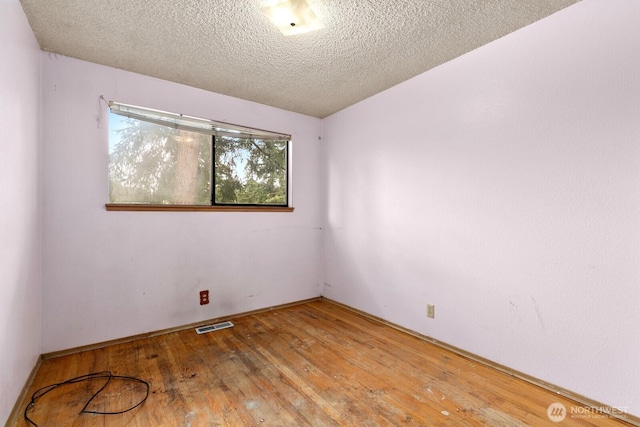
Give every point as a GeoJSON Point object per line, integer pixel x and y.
{"type": "Point", "coordinates": [105, 375]}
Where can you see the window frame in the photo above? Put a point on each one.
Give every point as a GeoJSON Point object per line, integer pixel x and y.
{"type": "Point", "coordinates": [213, 180]}
{"type": "Point", "coordinates": [213, 129]}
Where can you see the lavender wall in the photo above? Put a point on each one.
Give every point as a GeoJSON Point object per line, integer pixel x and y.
{"type": "Point", "coordinates": [109, 275]}
{"type": "Point", "coordinates": [20, 229]}
{"type": "Point", "coordinates": [501, 187]}
{"type": "Point", "coordinates": [504, 187]}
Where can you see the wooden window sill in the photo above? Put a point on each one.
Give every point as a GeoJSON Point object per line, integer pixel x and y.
{"type": "Point", "coordinates": [193, 208]}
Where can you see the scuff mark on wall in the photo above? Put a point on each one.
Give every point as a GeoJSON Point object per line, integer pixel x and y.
{"type": "Point", "coordinates": [537, 309]}
{"type": "Point", "coordinates": [515, 311]}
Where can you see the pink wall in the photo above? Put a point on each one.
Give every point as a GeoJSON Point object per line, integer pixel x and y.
{"type": "Point", "coordinates": [20, 229]}
{"type": "Point", "coordinates": [504, 187]}
{"type": "Point", "coordinates": [109, 275]}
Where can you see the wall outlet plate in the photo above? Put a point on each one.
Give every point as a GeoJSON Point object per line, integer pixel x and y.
{"type": "Point", "coordinates": [204, 297]}
{"type": "Point", "coordinates": [431, 311]}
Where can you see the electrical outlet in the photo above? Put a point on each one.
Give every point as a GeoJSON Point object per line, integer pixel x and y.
{"type": "Point", "coordinates": [431, 311]}
{"type": "Point", "coordinates": [204, 297]}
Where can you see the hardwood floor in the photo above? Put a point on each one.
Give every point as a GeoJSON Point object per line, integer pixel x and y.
{"type": "Point", "coordinates": [311, 364]}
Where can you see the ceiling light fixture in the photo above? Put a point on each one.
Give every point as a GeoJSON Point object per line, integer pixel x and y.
{"type": "Point", "coordinates": [292, 16]}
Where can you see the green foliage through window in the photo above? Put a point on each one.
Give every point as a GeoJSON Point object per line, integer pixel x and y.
{"type": "Point", "coordinates": [250, 171]}
{"type": "Point", "coordinates": [156, 164]}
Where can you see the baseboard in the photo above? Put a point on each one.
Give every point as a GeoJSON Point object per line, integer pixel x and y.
{"type": "Point", "coordinates": [577, 398]}
{"type": "Point", "coordinates": [103, 344]}
{"type": "Point", "coordinates": [16, 412]}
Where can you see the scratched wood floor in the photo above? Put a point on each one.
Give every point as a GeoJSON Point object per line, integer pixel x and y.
{"type": "Point", "coordinates": [313, 364]}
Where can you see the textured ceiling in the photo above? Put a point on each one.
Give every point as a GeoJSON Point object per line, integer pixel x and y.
{"type": "Point", "coordinates": [229, 47]}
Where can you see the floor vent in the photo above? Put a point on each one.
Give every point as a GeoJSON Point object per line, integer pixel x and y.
{"type": "Point", "coordinates": [217, 326]}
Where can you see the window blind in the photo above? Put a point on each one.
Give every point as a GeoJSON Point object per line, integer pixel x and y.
{"type": "Point", "coordinates": [194, 124]}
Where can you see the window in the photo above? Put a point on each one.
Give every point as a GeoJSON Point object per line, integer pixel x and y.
{"type": "Point", "coordinates": [159, 158]}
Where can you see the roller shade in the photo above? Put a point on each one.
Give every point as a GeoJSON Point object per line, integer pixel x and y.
{"type": "Point", "coordinates": [194, 124]}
